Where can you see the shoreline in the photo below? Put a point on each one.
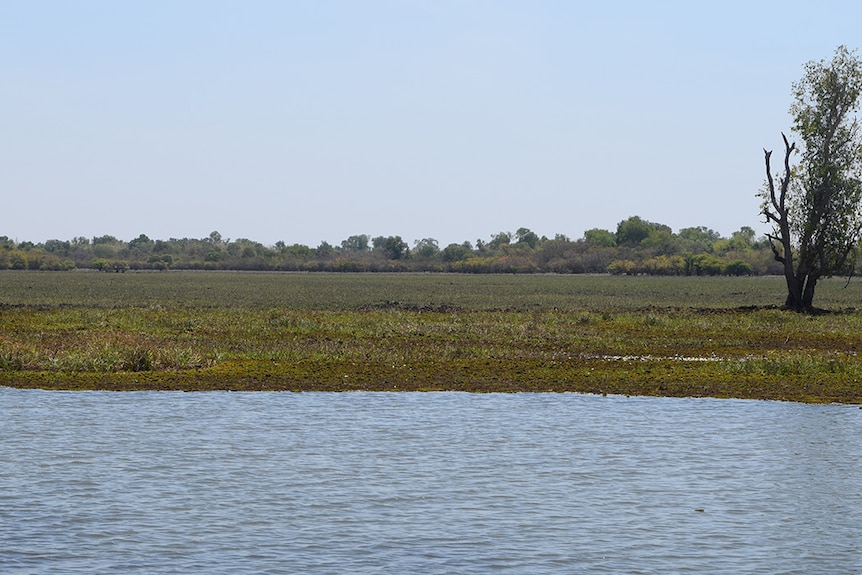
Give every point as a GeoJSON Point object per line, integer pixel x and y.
{"type": "Point", "coordinates": [653, 378]}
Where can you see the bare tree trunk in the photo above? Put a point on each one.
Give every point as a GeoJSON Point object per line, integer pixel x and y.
{"type": "Point", "coordinates": [800, 292]}
{"type": "Point", "coordinates": [777, 211]}
{"type": "Point", "coordinates": [795, 293]}
{"type": "Point", "coordinates": [808, 293]}
{"type": "Point", "coordinates": [795, 290]}
{"type": "Point", "coordinates": [791, 302]}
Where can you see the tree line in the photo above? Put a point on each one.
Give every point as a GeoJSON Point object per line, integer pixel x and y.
{"type": "Point", "coordinates": [637, 246]}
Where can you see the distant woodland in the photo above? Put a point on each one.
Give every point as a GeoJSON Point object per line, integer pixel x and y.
{"type": "Point", "coordinates": [637, 246]}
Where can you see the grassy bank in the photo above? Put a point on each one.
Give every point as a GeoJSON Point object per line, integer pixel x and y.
{"type": "Point", "coordinates": [245, 331]}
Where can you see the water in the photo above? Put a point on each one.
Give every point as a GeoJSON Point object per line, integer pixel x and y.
{"type": "Point", "coordinates": [227, 483]}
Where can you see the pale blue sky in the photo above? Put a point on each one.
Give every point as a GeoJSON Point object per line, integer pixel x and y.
{"type": "Point", "coordinates": [315, 120]}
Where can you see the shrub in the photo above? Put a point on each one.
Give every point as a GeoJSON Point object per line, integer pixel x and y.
{"type": "Point", "coordinates": [620, 267]}
{"type": "Point", "coordinates": [738, 268]}
{"type": "Point", "coordinates": [704, 265]}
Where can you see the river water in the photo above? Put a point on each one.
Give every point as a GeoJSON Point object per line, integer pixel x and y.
{"type": "Point", "coordinates": [398, 483]}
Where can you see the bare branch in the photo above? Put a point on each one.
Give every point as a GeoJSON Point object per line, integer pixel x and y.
{"type": "Point", "coordinates": [770, 216]}
{"type": "Point", "coordinates": [772, 239]}
{"type": "Point", "coordinates": [785, 181]}
{"type": "Point", "coordinates": [767, 155]}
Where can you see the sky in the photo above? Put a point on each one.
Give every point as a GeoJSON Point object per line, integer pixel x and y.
{"type": "Point", "coordinates": [309, 121]}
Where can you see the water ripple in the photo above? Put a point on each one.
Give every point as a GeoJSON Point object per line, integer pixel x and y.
{"type": "Point", "coordinates": [425, 483]}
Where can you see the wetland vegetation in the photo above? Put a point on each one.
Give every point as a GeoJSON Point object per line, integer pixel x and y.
{"type": "Point", "coordinates": [672, 336]}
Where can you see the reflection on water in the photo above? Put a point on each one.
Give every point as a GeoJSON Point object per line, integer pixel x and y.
{"type": "Point", "coordinates": [425, 483]}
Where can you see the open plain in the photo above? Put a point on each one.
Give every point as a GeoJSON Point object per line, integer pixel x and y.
{"type": "Point", "coordinates": [667, 336]}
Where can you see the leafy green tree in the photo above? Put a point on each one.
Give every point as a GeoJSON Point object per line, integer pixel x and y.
{"type": "Point", "coordinates": [392, 247]}
{"type": "Point", "coordinates": [358, 243]}
{"type": "Point", "coordinates": [142, 241]}
{"type": "Point", "coordinates": [426, 248]}
{"type": "Point", "coordinates": [739, 241]}
{"type": "Point", "coordinates": [744, 236]}
{"type": "Point", "coordinates": [57, 247]}
{"type": "Point", "coordinates": [107, 247]}
{"type": "Point", "coordinates": [162, 247]}
{"type": "Point", "coordinates": [600, 238]}
{"type": "Point", "coordinates": [499, 240]}
{"type": "Point", "coordinates": [634, 230]}
{"type": "Point", "coordinates": [297, 250]}
{"type": "Point", "coordinates": [324, 250]}
{"type": "Point", "coordinates": [699, 234]}
{"type": "Point", "coordinates": [527, 237]}
{"type": "Point", "coordinates": [660, 239]}
{"type": "Point", "coordinates": [697, 240]}
{"type": "Point", "coordinates": [18, 261]}
{"type": "Point", "coordinates": [815, 209]}
{"type": "Point", "coordinates": [456, 252]}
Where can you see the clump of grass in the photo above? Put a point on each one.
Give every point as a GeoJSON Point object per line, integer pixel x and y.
{"type": "Point", "coordinates": [103, 357]}
{"type": "Point", "coordinates": [585, 318]}
{"type": "Point", "coordinates": [186, 358]}
{"type": "Point", "coordinates": [796, 364]}
{"type": "Point", "coordinates": [137, 359]}
{"type": "Point", "coordinates": [11, 360]}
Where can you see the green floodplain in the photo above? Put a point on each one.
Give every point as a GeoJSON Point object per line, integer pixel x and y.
{"type": "Point", "coordinates": [634, 335]}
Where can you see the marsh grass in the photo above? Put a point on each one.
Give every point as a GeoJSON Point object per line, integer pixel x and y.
{"type": "Point", "coordinates": [350, 291]}
{"type": "Point", "coordinates": [423, 332]}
